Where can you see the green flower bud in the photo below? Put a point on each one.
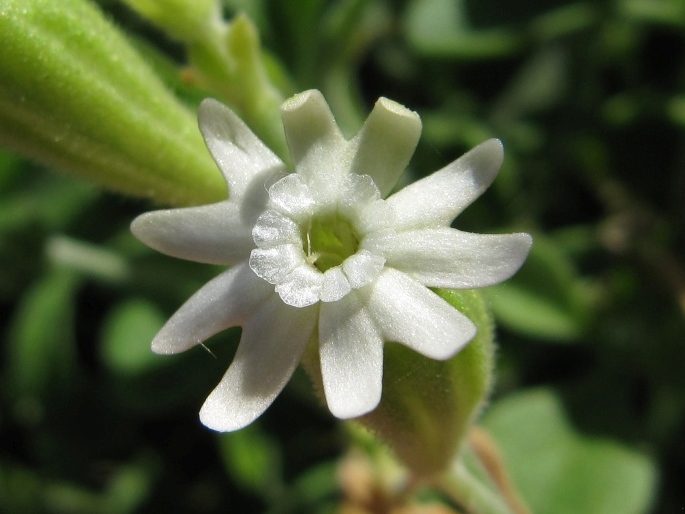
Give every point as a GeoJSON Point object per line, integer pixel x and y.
{"type": "Point", "coordinates": [75, 95]}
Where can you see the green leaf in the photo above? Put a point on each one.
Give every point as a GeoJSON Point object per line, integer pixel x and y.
{"type": "Point", "coordinates": [442, 28]}
{"type": "Point", "coordinates": [127, 333]}
{"type": "Point", "coordinates": [75, 95]}
{"type": "Point", "coordinates": [253, 460]}
{"type": "Point", "coordinates": [21, 489]}
{"type": "Point", "coordinates": [41, 349]}
{"type": "Point", "coordinates": [558, 470]}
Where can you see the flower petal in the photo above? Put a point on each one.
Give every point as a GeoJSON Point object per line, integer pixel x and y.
{"type": "Point", "coordinates": [273, 264]}
{"type": "Point", "coordinates": [291, 196]}
{"type": "Point", "coordinates": [362, 268]}
{"type": "Point", "coordinates": [437, 199]}
{"type": "Point", "coordinates": [226, 301]}
{"type": "Point", "coordinates": [214, 234]}
{"type": "Point", "coordinates": [446, 257]}
{"type": "Point", "coordinates": [317, 146]}
{"type": "Point", "coordinates": [356, 192]}
{"type": "Point", "coordinates": [335, 285]}
{"type": "Point", "coordinates": [301, 287]}
{"type": "Point", "coordinates": [351, 352]}
{"type": "Point", "coordinates": [243, 159]}
{"type": "Point", "coordinates": [386, 143]}
{"type": "Point", "coordinates": [407, 312]}
{"type": "Point", "coordinates": [270, 349]}
{"type": "Point", "coordinates": [379, 215]}
{"type": "Point", "coordinates": [273, 228]}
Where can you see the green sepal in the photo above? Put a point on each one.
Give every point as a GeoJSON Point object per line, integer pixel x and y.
{"type": "Point", "coordinates": [182, 19]}
{"type": "Point", "coordinates": [75, 95]}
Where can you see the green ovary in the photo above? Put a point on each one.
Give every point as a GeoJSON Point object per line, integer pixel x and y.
{"type": "Point", "coordinates": [329, 241]}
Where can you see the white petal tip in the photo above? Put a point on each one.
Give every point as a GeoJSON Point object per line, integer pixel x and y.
{"type": "Point", "coordinates": [398, 109]}
{"type": "Point", "coordinates": [163, 345]}
{"type": "Point", "coordinates": [295, 102]}
{"type": "Point", "coordinates": [518, 252]}
{"type": "Point", "coordinates": [208, 106]}
{"type": "Point", "coordinates": [526, 239]}
{"type": "Point", "coordinates": [140, 227]}
{"type": "Point", "coordinates": [161, 349]}
{"type": "Point", "coordinates": [214, 417]}
{"type": "Point", "coordinates": [351, 414]}
{"type": "Point", "coordinates": [488, 155]}
{"type": "Point", "coordinates": [354, 408]}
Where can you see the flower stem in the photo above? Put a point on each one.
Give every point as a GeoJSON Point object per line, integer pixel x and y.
{"type": "Point", "coordinates": [478, 481]}
{"type": "Point", "coordinates": [463, 487]}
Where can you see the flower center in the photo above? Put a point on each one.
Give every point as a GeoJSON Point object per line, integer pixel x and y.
{"type": "Point", "coordinates": [330, 239]}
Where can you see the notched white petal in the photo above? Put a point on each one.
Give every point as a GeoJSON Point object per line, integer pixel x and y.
{"type": "Point", "coordinates": [273, 228]}
{"type": "Point", "coordinates": [273, 264]}
{"type": "Point", "coordinates": [362, 268]}
{"type": "Point", "coordinates": [386, 143]}
{"type": "Point", "coordinates": [335, 285]}
{"type": "Point", "coordinates": [226, 301]}
{"type": "Point", "coordinates": [301, 287]}
{"type": "Point", "coordinates": [437, 199]}
{"type": "Point", "coordinates": [214, 234]}
{"type": "Point", "coordinates": [270, 348]}
{"type": "Point", "coordinates": [317, 146]}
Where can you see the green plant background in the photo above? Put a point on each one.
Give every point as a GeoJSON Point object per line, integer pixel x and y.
{"type": "Point", "coordinates": [588, 408]}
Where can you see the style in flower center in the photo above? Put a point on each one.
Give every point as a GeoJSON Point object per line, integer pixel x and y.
{"type": "Point", "coordinates": [330, 239]}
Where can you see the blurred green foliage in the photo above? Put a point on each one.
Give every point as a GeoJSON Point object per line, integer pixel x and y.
{"type": "Point", "coordinates": [588, 98]}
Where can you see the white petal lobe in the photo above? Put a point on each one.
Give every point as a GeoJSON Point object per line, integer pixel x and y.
{"type": "Point", "coordinates": [437, 199]}
{"type": "Point", "coordinates": [335, 285]}
{"type": "Point", "coordinates": [453, 259]}
{"type": "Point", "coordinates": [240, 155]}
{"type": "Point", "coordinates": [301, 287]}
{"type": "Point", "coordinates": [351, 352]}
{"type": "Point", "coordinates": [318, 148]}
{"type": "Point", "coordinates": [274, 264]}
{"type": "Point", "coordinates": [362, 268]}
{"type": "Point", "coordinates": [226, 301]}
{"type": "Point", "coordinates": [386, 143]}
{"type": "Point", "coordinates": [270, 349]}
{"type": "Point", "coordinates": [408, 313]}
{"type": "Point", "coordinates": [273, 229]}
{"type": "Point", "coordinates": [213, 234]}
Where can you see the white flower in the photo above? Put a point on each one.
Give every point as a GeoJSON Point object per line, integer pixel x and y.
{"type": "Point", "coordinates": [320, 255]}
